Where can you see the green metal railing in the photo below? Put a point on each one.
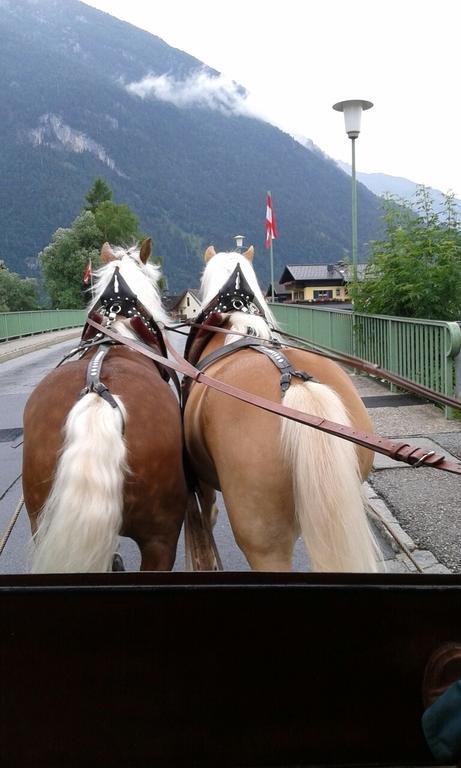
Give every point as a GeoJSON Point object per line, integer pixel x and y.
{"type": "Point", "coordinates": [423, 351]}
{"type": "Point", "coordinates": [15, 324]}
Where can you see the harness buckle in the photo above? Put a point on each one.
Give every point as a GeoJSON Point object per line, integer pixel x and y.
{"type": "Point", "coordinates": [303, 375]}
{"type": "Point", "coordinates": [285, 381]}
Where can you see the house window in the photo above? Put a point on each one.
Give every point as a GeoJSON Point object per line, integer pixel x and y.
{"type": "Point", "coordinates": [298, 295]}
{"type": "Point", "coordinates": [188, 301]}
{"type": "Point", "coordinates": [338, 292]}
{"type": "Point", "coordinates": [320, 295]}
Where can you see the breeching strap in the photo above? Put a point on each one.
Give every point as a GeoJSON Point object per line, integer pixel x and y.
{"type": "Point", "coordinates": [399, 451]}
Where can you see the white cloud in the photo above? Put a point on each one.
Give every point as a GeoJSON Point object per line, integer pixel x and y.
{"type": "Point", "coordinates": [198, 89]}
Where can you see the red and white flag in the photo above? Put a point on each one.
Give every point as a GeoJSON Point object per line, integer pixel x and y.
{"type": "Point", "coordinates": [87, 273]}
{"type": "Point", "coordinates": [271, 232]}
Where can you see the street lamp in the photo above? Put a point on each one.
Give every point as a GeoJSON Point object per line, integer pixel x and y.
{"type": "Point", "coordinates": [352, 116]}
{"type": "Point", "coordinates": [239, 241]}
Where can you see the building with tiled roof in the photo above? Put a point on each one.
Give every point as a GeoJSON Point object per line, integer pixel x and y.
{"type": "Point", "coordinates": [318, 282]}
{"type": "Point", "coordinates": [187, 304]}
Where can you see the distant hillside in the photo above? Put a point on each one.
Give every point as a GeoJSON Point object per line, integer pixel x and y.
{"type": "Point", "coordinates": [84, 94]}
{"type": "Point", "coordinates": [382, 184]}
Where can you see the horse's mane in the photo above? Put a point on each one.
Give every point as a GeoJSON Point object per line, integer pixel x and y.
{"type": "Point", "coordinates": [217, 271]}
{"type": "Point", "coordinates": [142, 278]}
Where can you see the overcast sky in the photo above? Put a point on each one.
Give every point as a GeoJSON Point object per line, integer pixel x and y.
{"type": "Point", "coordinates": [298, 57]}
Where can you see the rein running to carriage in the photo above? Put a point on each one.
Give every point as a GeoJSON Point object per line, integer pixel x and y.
{"type": "Point", "coordinates": [399, 451]}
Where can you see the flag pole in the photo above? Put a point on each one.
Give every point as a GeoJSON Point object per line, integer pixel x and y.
{"type": "Point", "coordinates": [271, 253]}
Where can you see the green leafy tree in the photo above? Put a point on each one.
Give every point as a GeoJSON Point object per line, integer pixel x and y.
{"type": "Point", "coordinates": [16, 293]}
{"type": "Point", "coordinates": [63, 262]}
{"type": "Point", "coordinates": [416, 270]}
{"type": "Point", "coordinates": [99, 193]}
{"type": "Point", "coordinates": [116, 223]}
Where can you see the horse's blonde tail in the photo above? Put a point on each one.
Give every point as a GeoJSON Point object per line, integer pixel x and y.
{"type": "Point", "coordinates": [327, 488]}
{"type": "Point", "coordinates": [79, 524]}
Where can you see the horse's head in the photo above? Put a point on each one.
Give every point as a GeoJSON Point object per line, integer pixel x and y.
{"type": "Point", "coordinates": [127, 283]}
{"type": "Point", "coordinates": [229, 280]}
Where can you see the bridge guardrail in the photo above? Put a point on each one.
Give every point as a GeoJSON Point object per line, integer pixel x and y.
{"type": "Point", "coordinates": [13, 325]}
{"type": "Point", "coordinates": [423, 351]}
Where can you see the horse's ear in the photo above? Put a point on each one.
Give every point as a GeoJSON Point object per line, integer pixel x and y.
{"type": "Point", "coordinates": [146, 250]}
{"type": "Point", "coordinates": [107, 254]}
{"type": "Point", "coordinates": [209, 253]}
{"type": "Point", "coordinates": [249, 253]}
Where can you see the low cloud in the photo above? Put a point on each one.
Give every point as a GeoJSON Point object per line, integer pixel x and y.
{"type": "Point", "coordinates": [199, 89]}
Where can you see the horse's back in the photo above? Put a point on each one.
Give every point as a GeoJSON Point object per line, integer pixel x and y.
{"type": "Point", "coordinates": [212, 419]}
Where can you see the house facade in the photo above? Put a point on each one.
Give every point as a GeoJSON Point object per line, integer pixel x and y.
{"type": "Point", "coordinates": [318, 283]}
{"type": "Point", "coordinates": [187, 305]}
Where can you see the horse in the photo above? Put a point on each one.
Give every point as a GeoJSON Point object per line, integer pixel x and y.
{"type": "Point", "coordinates": [278, 478]}
{"type": "Point", "coordinates": [103, 442]}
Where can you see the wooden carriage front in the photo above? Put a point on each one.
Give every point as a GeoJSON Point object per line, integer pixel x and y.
{"type": "Point", "coordinates": [219, 669]}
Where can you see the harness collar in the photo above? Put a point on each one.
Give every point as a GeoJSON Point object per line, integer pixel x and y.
{"type": "Point", "coordinates": [235, 295]}
{"type": "Point", "coordinates": [118, 299]}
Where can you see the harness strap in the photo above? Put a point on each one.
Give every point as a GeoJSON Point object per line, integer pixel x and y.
{"type": "Point", "coordinates": [259, 345]}
{"type": "Point", "coordinates": [285, 367]}
{"type": "Point", "coordinates": [228, 349]}
{"type": "Point", "coordinates": [93, 382]}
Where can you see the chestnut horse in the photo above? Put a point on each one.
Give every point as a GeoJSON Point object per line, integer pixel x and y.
{"type": "Point", "coordinates": [278, 478]}
{"type": "Point", "coordinates": [105, 459]}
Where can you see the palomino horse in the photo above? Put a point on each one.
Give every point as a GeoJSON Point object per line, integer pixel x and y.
{"type": "Point", "coordinates": [278, 478]}
{"type": "Point", "coordinates": [103, 437]}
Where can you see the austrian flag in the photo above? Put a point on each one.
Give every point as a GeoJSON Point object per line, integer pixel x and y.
{"type": "Point", "coordinates": [87, 273]}
{"type": "Point", "coordinates": [271, 232]}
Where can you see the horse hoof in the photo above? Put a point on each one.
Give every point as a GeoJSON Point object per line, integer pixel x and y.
{"type": "Point", "coordinates": [117, 563]}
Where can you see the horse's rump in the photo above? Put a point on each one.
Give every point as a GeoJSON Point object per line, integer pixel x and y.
{"type": "Point", "coordinates": [140, 455]}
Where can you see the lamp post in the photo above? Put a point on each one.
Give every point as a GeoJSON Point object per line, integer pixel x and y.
{"type": "Point", "coordinates": [239, 242]}
{"type": "Point", "coordinates": [352, 110]}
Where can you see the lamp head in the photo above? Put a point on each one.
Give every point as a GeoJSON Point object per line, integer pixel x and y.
{"type": "Point", "coordinates": [239, 241]}
{"type": "Point", "coordinates": [352, 110]}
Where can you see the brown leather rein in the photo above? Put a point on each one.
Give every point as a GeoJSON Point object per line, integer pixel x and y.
{"type": "Point", "coordinates": [399, 451]}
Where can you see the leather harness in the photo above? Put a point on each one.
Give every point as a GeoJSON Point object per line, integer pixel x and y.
{"type": "Point", "coordinates": [259, 345]}
{"type": "Point", "coordinates": [399, 451]}
{"type": "Point", "coordinates": [236, 295]}
{"type": "Point", "coordinates": [117, 300]}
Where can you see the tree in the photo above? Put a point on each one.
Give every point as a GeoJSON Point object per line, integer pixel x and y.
{"type": "Point", "coordinates": [17, 294]}
{"type": "Point", "coordinates": [116, 223]}
{"type": "Point", "coordinates": [63, 262]}
{"type": "Point", "coordinates": [99, 193]}
{"type": "Point", "coordinates": [416, 270]}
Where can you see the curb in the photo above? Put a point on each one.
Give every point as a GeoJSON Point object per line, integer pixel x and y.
{"type": "Point", "coordinates": [24, 345]}
{"type": "Point", "coordinates": [392, 531]}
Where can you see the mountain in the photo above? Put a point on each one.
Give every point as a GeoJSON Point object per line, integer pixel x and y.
{"type": "Point", "coordinates": [382, 184]}
{"type": "Point", "coordinates": [85, 95]}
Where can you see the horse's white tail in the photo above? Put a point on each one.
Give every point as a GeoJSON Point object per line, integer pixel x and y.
{"type": "Point", "coordinates": [80, 521]}
{"type": "Point", "coordinates": [327, 488]}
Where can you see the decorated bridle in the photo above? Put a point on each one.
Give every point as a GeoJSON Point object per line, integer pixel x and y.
{"type": "Point", "coordinates": [118, 299]}
{"type": "Point", "coordinates": [236, 295]}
